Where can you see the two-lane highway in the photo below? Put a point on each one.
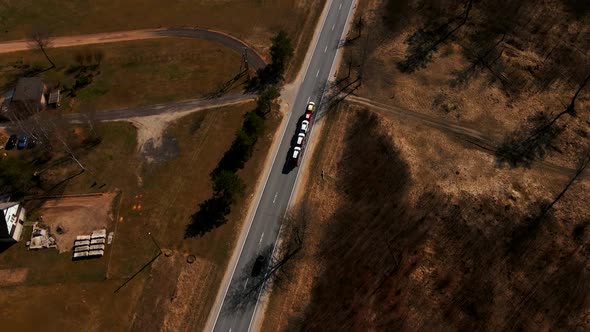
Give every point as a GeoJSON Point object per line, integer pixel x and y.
{"type": "Point", "coordinates": [277, 191]}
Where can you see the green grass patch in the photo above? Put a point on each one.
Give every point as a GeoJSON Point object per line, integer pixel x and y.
{"type": "Point", "coordinates": [131, 73]}
{"type": "Point", "coordinates": [93, 91]}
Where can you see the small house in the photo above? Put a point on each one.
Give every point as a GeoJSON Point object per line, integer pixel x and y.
{"type": "Point", "coordinates": [12, 218]}
{"type": "Point", "coordinates": [29, 96]}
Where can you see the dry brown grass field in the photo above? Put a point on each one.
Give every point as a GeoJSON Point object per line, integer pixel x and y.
{"type": "Point", "coordinates": [504, 75]}
{"type": "Point", "coordinates": [157, 192]}
{"type": "Point", "coordinates": [132, 73]}
{"type": "Point", "coordinates": [157, 197]}
{"type": "Point", "coordinates": [416, 228]}
{"type": "Point", "coordinates": [425, 232]}
{"type": "Point", "coordinates": [253, 21]}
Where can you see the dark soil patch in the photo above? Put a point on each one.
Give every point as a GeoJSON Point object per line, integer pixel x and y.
{"type": "Point", "coordinates": [167, 150]}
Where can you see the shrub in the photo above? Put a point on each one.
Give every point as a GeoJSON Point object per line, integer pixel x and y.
{"type": "Point", "coordinates": [82, 81]}
{"type": "Point", "coordinates": [239, 152]}
{"type": "Point", "coordinates": [211, 215]}
{"type": "Point", "coordinates": [228, 184]}
{"type": "Point", "coordinates": [253, 124]}
{"type": "Point", "coordinates": [16, 176]}
{"type": "Point", "coordinates": [280, 51]}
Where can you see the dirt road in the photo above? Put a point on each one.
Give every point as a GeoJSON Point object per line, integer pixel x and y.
{"type": "Point", "coordinates": [254, 58]}
{"type": "Point", "coordinates": [180, 107]}
{"type": "Point", "coordinates": [467, 134]}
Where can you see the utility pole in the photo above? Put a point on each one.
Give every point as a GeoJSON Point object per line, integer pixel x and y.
{"type": "Point", "coordinates": [143, 268]}
{"type": "Point", "coordinates": [154, 240]}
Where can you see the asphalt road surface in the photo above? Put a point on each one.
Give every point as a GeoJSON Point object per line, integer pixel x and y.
{"type": "Point", "coordinates": [254, 59]}
{"type": "Point", "coordinates": [279, 185]}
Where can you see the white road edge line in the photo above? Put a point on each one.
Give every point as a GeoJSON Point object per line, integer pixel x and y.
{"type": "Point", "coordinates": [346, 25]}
{"type": "Point", "coordinates": [317, 39]}
{"type": "Point", "coordinates": [251, 221]}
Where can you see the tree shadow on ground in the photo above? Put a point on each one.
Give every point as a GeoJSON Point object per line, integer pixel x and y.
{"type": "Point", "coordinates": [60, 187]}
{"type": "Point", "coordinates": [421, 46]}
{"type": "Point", "coordinates": [482, 54]}
{"type": "Point", "coordinates": [354, 253]}
{"type": "Point", "coordinates": [467, 259]}
{"type": "Point", "coordinates": [249, 282]}
{"type": "Point", "coordinates": [225, 87]}
{"type": "Point", "coordinates": [423, 43]}
{"type": "Point", "coordinates": [264, 78]}
{"type": "Point", "coordinates": [528, 143]}
{"type": "Point", "coordinates": [5, 245]}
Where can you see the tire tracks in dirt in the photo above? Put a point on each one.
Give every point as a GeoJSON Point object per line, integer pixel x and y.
{"type": "Point", "coordinates": [467, 134]}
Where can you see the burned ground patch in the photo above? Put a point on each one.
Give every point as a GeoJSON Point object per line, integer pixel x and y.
{"type": "Point", "coordinates": [159, 152]}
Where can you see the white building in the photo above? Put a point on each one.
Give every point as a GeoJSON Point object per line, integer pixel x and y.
{"type": "Point", "coordinates": [12, 218]}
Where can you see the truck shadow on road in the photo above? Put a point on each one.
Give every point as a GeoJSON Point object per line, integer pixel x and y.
{"type": "Point", "coordinates": [291, 163]}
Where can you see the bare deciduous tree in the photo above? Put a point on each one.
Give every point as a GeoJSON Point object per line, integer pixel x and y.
{"type": "Point", "coordinates": [79, 58]}
{"type": "Point", "coordinates": [523, 146]}
{"type": "Point", "coordinates": [41, 39]}
{"type": "Point", "coordinates": [89, 116]}
{"type": "Point", "coordinates": [571, 109]}
{"type": "Point", "coordinates": [59, 127]}
{"type": "Point", "coordinates": [424, 42]}
{"type": "Point", "coordinates": [49, 129]}
{"type": "Point", "coordinates": [581, 167]}
{"type": "Point", "coordinates": [267, 269]}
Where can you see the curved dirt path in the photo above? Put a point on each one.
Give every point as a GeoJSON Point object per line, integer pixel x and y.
{"type": "Point", "coordinates": [254, 58]}
{"type": "Point", "coordinates": [178, 108]}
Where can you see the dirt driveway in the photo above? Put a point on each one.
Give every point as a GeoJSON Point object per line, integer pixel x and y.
{"type": "Point", "coordinates": [72, 216]}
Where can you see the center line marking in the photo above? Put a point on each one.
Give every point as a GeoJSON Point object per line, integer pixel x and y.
{"type": "Point", "coordinates": [325, 49]}
{"type": "Point", "coordinates": [274, 199]}
{"type": "Point", "coordinates": [333, 27]}
{"type": "Point", "coordinates": [246, 284]}
{"type": "Point", "coordinates": [340, 7]}
{"type": "Point", "coordinates": [259, 242]}
{"type": "Point", "coordinates": [316, 75]}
